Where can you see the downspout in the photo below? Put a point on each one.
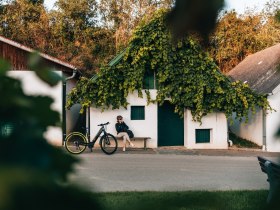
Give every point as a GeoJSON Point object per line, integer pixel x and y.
{"type": "Point", "coordinates": [88, 123]}
{"type": "Point", "coordinates": [64, 104]}
{"type": "Point", "coordinates": [264, 126]}
{"type": "Point", "coordinates": [264, 130]}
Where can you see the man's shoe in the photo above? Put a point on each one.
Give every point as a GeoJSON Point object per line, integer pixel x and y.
{"type": "Point", "coordinates": [123, 149]}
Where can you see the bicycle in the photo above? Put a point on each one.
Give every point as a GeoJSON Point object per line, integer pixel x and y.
{"type": "Point", "coordinates": [77, 142]}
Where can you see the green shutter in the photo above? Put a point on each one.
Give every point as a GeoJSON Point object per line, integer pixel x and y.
{"type": "Point", "coordinates": [202, 135]}
{"type": "Point", "coordinates": [137, 113]}
{"type": "Point", "coordinates": [149, 80]}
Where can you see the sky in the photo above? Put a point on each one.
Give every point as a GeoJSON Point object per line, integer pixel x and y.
{"type": "Point", "coordinates": [239, 5]}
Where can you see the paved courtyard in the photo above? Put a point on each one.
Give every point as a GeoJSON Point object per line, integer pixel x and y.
{"type": "Point", "coordinates": [153, 171]}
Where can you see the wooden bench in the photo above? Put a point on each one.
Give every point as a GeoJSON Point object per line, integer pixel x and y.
{"type": "Point", "coordinates": [137, 138]}
{"type": "Point", "coordinates": [272, 170]}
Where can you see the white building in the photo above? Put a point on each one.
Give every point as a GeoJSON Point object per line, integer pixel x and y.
{"type": "Point", "coordinates": [262, 72]}
{"type": "Point", "coordinates": [160, 123]}
{"type": "Point", "coordinates": [17, 54]}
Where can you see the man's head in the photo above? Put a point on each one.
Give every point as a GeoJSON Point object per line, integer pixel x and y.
{"type": "Point", "coordinates": [119, 118]}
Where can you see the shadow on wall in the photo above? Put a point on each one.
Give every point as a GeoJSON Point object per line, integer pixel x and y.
{"type": "Point", "coordinates": [75, 121]}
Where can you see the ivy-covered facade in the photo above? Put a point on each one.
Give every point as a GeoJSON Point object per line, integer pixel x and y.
{"type": "Point", "coordinates": [163, 125]}
{"type": "Point", "coordinates": [186, 82]}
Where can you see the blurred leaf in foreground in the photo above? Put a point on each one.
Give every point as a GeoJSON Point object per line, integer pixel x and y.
{"type": "Point", "coordinates": [36, 63]}
{"type": "Point", "coordinates": [194, 15]}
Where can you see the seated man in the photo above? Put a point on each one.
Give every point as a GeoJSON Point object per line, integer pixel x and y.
{"type": "Point", "coordinates": [121, 129]}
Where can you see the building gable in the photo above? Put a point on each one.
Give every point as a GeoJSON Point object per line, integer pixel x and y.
{"type": "Point", "coordinates": [260, 70]}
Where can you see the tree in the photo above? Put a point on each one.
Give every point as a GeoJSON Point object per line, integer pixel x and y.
{"type": "Point", "coordinates": [76, 33]}
{"type": "Point", "coordinates": [26, 22]}
{"type": "Point", "coordinates": [123, 16]}
{"type": "Point", "coordinates": [70, 33]}
{"type": "Point", "coordinates": [237, 36]}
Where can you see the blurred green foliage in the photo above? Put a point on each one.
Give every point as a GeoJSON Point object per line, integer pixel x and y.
{"type": "Point", "coordinates": [33, 174]}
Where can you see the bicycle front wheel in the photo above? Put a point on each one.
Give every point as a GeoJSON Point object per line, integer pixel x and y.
{"type": "Point", "coordinates": [109, 144]}
{"type": "Point", "coordinates": [76, 143]}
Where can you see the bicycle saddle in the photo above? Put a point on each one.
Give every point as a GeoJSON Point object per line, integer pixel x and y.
{"type": "Point", "coordinates": [104, 124]}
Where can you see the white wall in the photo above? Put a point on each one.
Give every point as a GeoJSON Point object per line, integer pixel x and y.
{"type": "Point", "coordinates": [273, 123]}
{"type": "Point", "coordinates": [252, 130]}
{"type": "Point", "coordinates": [32, 85]}
{"type": "Point", "coordinates": [140, 128]}
{"type": "Point", "coordinates": [216, 122]}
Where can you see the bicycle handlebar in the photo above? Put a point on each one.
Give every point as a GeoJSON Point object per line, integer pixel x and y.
{"type": "Point", "coordinates": [107, 123]}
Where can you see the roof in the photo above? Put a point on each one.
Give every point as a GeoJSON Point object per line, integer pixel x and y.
{"type": "Point", "coordinates": [117, 58]}
{"type": "Point", "coordinates": [260, 70]}
{"type": "Point", "coordinates": [113, 62]}
{"type": "Point", "coordinates": [27, 49]}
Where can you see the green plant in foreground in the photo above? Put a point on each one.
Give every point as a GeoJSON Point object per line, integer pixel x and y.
{"type": "Point", "coordinates": [34, 174]}
{"type": "Point", "coordinates": [184, 71]}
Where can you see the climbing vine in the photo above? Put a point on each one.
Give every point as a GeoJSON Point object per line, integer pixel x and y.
{"type": "Point", "coordinates": [185, 74]}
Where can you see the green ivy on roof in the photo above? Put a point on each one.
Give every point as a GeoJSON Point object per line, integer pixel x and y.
{"type": "Point", "coordinates": [185, 73]}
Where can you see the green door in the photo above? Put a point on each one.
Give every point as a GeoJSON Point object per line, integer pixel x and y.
{"type": "Point", "coordinates": [170, 126]}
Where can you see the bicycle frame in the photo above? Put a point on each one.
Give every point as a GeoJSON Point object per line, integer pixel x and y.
{"type": "Point", "coordinates": [92, 142]}
{"type": "Point", "coordinates": [101, 130]}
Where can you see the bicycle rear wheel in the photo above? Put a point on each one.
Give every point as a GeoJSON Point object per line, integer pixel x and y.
{"type": "Point", "coordinates": [109, 144]}
{"type": "Point", "coordinates": [75, 143]}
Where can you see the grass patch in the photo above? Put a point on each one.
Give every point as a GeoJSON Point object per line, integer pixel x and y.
{"type": "Point", "coordinates": [190, 200]}
{"type": "Point", "coordinates": [242, 143]}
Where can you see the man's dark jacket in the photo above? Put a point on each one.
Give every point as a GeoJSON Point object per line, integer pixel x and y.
{"type": "Point", "coordinates": [121, 127]}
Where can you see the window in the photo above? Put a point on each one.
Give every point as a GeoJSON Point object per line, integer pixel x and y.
{"type": "Point", "coordinates": [202, 135]}
{"type": "Point", "coordinates": [137, 113]}
{"type": "Point", "coordinates": [149, 80]}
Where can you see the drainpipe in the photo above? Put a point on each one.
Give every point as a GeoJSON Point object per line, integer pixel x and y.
{"type": "Point", "coordinates": [64, 104]}
{"type": "Point", "coordinates": [264, 126]}
{"type": "Point", "coordinates": [88, 124]}
{"type": "Point", "coordinates": [264, 131]}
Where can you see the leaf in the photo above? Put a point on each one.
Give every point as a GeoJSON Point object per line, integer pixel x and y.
{"type": "Point", "coordinates": [4, 67]}
{"type": "Point", "coordinates": [51, 78]}
{"type": "Point", "coordinates": [194, 15]}
{"type": "Point", "coordinates": [36, 63]}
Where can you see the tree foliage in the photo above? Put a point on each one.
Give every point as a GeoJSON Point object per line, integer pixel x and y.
{"type": "Point", "coordinates": [71, 32]}
{"type": "Point", "coordinates": [122, 16]}
{"type": "Point", "coordinates": [25, 22]}
{"type": "Point", "coordinates": [185, 73]}
{"type": "Point", "coordinates": [237, 36]}
{"type": "Point", "coordinates": [76, 34]}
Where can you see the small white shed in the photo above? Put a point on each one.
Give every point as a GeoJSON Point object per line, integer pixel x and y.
{"type": "Point", "coordinates": [164, 126]}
